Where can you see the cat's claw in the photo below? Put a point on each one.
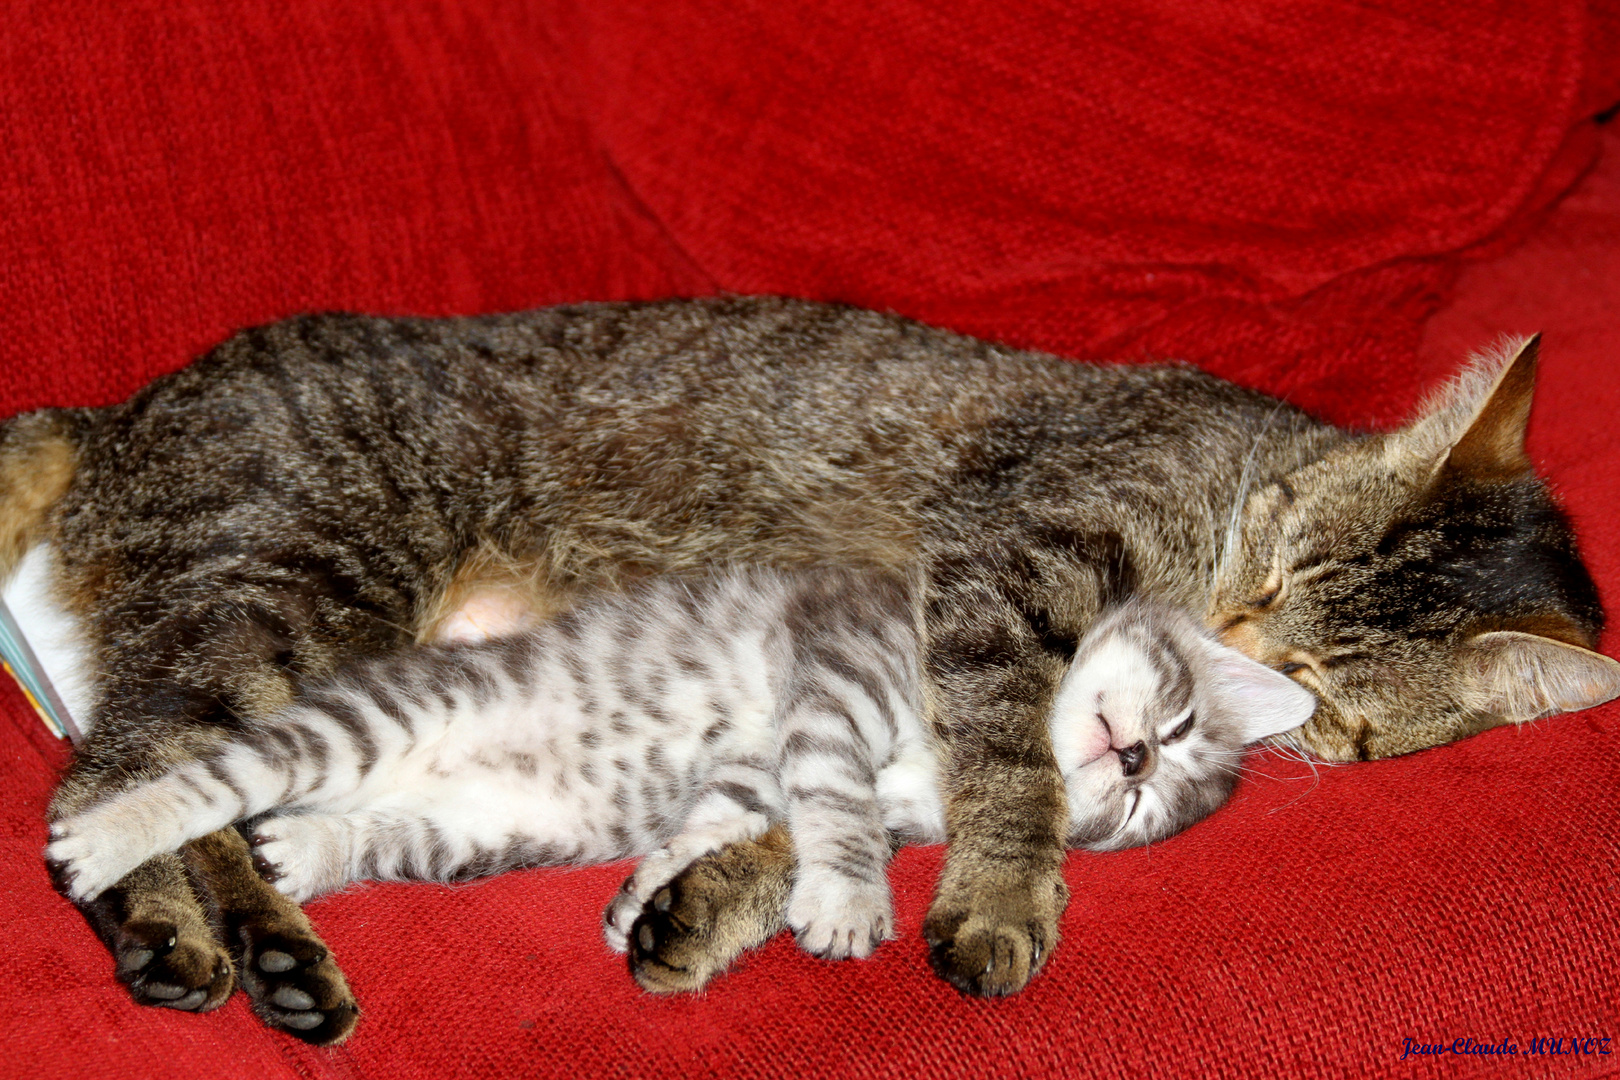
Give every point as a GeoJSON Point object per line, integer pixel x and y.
{"type": "Point", "coordinates": [840, 919]}
{"type": "Point", "coordinates": [85, 857]}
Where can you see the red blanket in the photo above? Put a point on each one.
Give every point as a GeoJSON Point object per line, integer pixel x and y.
{"type": "Point", "coordinates": [1282, 192]}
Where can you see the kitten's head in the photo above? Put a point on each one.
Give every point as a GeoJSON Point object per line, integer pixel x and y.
{"type": "Point", "coordinates": [1150, 722]}
{"type": "Point", "coordinates": [1422, 583]}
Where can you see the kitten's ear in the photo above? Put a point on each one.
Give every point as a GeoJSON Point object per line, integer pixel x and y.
{"type": "Point", "coordinates": [1265, 702]}
{"type": "Point", "coordinates": [1476, 426]}
{"type": "Point", "coordinates": [1522, 677]}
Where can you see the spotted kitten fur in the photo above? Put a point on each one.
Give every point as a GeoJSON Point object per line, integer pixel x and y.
{"type": "Point", "coordinates": [678, 719]}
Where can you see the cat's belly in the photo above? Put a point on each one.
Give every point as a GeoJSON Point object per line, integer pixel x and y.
{"type": "Point", "coordinates": [543, 825]}
{"type": "Point", "coordinates": [59, 639]}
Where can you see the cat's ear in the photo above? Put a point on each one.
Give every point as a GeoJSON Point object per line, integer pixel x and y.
{"type": "Point", "coordinates": [1476, 425]}
{"type": "Point", "coordinates": [1521, 677]}
{"type": "Point", "coordinates": [1265, 702]}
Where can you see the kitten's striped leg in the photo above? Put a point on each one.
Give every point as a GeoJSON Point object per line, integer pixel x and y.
{"type": "Point", "coordinates": [308, 854]}
{"type": "Point", "coordinates": [323, 748]}
{"type": "Point", "coordinates": [840, 906]}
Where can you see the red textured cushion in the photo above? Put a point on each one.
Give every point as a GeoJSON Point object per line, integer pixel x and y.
{"type": "Point", "coordinates": [1282, 192]}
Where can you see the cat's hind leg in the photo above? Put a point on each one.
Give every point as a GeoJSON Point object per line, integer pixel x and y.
{"type": "Point", "coordinates": [692, 907]}
{"type": "Point", "coordinates": [281, 962]}
{"type": "Point", "coordinates": [306, 854]}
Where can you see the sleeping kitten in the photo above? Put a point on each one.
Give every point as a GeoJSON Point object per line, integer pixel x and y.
{"type": "Point", "coordinates": [673, 721]}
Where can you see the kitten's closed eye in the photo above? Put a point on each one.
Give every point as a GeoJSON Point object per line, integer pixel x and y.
{"type": "Point", "coordinates": [1178, 730]}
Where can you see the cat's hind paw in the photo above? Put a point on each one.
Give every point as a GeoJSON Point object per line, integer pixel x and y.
{"type": "Point", "coordinates": [89, 854]}
{"type": "Point", "coordinates": [709, 914]}
{"type": "Point", "coordinates": [296, 986]}
{"type": "Point", "coordinates": [172, 966]}
{"type": "Point", "coordinates": [296, 853]}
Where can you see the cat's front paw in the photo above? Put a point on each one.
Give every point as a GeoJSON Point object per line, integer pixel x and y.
{"type": "Point", "coordinates": [989, 936]}
{"type": "Point", "coordinates": [836, 918]}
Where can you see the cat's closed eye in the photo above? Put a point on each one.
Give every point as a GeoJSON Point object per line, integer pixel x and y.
{"type": "Point", "coordinates": [1181, 730]}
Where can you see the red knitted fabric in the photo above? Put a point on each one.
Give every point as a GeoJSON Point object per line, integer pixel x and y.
{"type": "Point", "coordinates": [1282, 192]}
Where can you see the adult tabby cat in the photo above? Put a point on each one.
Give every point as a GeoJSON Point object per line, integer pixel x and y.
{"type": "Point", "coordinates": [327, 486]}
{"type": "Point", "coordinates": [678, 719]}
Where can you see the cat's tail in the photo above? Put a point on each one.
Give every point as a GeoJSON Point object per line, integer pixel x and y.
{"type": "Point", "coordinates": [39, 455]}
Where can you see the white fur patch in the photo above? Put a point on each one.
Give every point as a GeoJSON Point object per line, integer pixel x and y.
{"type": "Point", "coordinates": [56, 635]}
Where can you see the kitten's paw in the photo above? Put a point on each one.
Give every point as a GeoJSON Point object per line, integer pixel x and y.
{"type": "Point", "coordinates": [988, 939]}
{"type": "Point", "coordinates": [292, 852]}
{"type": "Point", "coordinates": [837, 918]}
{"type": "Point", "coordinates": [671, 946]}
{"type": "Point", "coordinates": [171, 967]}
{"type": "Point", "coordinates": [295, 985]}
{"type": "Point", "coordinates": [88, 854]}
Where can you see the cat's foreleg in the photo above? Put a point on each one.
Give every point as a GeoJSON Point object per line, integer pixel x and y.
{"type": "Point", "coordinates": [994, 918]}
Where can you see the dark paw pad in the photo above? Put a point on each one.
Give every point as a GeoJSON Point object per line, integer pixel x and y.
{"type": "Point", "coordinates": [167, 967]}
{"type": "Point", "coordinates": [295, 986]}
{"type": "Point", "coordinates": [671, 948]}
